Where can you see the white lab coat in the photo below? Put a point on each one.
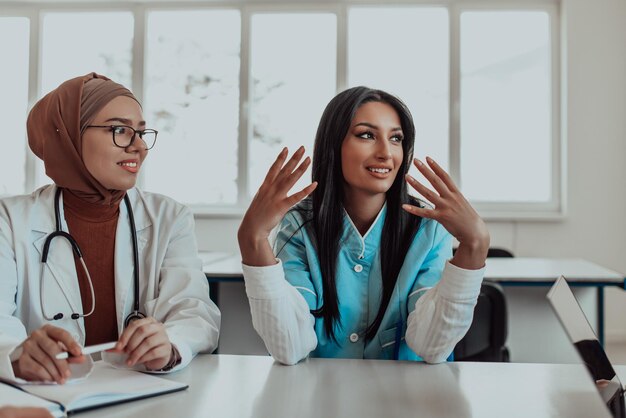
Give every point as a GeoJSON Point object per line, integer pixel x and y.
{"type": "Point", "coordinates": [173, 288]}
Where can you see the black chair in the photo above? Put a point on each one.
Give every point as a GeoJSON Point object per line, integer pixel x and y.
{"type": "Point", "coordinates": [486, 338]}
{"type": "Point", "coordinates": [498, 252]}
{"type": "Point", "coordinates": [494, 252]}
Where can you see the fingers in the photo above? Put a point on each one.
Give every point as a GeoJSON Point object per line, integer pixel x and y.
{"type": "Point", "coordinates": [443, 175]}
{"type": "Point", "coordinates": [287, 173]}
{"type": "Point", "coordinates": [431, 196]}
{"type": "Point", "coordinates": [72, 358]}
{"type": "Point", "coordinates": [288, 182]}
{"type": "Point", "coordinates": [282, 177]}
{"type": "Point", "coordinates": [64, 337]}
{"type": "Point", "coordinates": [130, 331]}
{"type": "Point", "coordinates": [269, 206]}
{"type": "Point", "coordinates": [421, 212]}
{"type": "Point", "coordinates": [24, 412]}
{"type": "Point", "coordinates": [38, 360]}
{"type": "Point", "coordinates": [32, 370]}
{"type": "Point", "coordinates": [432, 178]}
{"type": "Point", "coordinates": [276, 166]}
{"type": "Point", "coordinates": [296, 197]}
{"type": "Point", "coordinates": [292, 163]}
{"type": "Point", "coordinates": [157, 363]}
{"type": "Point", "coordinates": [155, 356]}
{"type": "Point", "coordinates": [141, 344]}
{"type": "Point", "coordinates": [46, 355]}
{"type": "Point", "coordinates": [145, 338]}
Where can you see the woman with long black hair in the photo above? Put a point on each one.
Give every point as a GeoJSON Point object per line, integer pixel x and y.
{"type": "Point", "coordinates": [361, 269]}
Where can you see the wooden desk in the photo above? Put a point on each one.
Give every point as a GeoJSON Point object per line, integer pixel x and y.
{"type": "Point", "coordinates": [518, 271]}
{"type": "Point", "coordinates": [253, 386]}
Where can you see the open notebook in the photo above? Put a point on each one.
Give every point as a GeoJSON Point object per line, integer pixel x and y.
{"type": "Point", "coordinates": [105, 386]}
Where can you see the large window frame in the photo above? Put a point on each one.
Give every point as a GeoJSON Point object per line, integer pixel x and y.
{"type": "Point", "coordinates": [554, 209]}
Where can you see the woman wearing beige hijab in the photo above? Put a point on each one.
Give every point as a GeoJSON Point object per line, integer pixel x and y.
{"type": "Point", "coordinates": [92, 259]}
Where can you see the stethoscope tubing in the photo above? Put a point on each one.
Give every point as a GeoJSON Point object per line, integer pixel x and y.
{"type": "Point", "coordinates": [135, 314]}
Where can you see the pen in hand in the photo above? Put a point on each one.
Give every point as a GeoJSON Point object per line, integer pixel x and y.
{"type": "Point", "coordinates": [89, 350]}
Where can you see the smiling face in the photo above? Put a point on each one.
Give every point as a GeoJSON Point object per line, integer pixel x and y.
{"type": "Point", "coordinates": [371, 152]}
{"type": "Point", "coordinates": [114, 167]}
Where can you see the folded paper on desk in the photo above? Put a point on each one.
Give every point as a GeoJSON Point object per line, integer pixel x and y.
{"type": "Point", "coordinates": [105, 386]}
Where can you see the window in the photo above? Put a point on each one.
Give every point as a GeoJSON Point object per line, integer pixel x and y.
{"type": "Point", "coordinates": [229, 85]}
{"type": "Point", "coordinates": [13, 103]}
{"type": "Point", "coordinates": [104, 46]}
{"type": "Point", "coordinates": [506, 119]}
{"type": "Point", "coordinates": [192, 99]}
{"type": "Point", "coordinates": [292, 79]}
{"type": "Point", "coordinates": [415, 67]}
{"type": "Point", "coordinates": [98, 48]}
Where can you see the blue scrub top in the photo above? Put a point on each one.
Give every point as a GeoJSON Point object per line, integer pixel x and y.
{"type": "Point", "coordinates": [359, 282]}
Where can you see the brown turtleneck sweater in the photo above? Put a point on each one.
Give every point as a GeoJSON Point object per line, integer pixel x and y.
{"type": "Point", "coordinates": [93, 227]}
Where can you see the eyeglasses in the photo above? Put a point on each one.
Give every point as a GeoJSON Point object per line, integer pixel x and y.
{"type": "Point", "coordinates": [124, 136]}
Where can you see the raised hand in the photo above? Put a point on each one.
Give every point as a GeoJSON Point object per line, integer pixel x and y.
{"type": "Point", "coordinates": [38, 362]}
{"type": "Point", "coordinates": [269, 206]}
{"type": "Point", "coordinates": [454, 212]}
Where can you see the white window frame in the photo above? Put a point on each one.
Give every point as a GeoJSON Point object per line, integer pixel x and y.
{"type": "Point", "coordinates": [555, 209]}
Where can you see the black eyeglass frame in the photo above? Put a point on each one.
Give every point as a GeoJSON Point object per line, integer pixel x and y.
{"type": "Point", "coordinates": [136, 133]}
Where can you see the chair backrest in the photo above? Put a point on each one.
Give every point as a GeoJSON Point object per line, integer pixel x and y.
{"type": "Point", "coordinates": [494, 252]}
{"type": "Point", "coordinates": [486, 338]}
{"type": "Point", "coordinates": [498, 252]}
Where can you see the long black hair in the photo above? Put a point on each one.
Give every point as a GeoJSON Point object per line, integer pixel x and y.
{"type": "Point", "coordinates": [327, 202]}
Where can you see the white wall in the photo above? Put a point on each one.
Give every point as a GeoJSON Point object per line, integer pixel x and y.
{"type": "Point", "coordinates": [594, 43]}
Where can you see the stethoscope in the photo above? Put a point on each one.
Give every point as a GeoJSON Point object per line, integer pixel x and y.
{"type": "Point", "coordinates": [135, 313]}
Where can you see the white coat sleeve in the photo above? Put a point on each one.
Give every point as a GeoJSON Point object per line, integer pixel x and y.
{"type": "Point", "coordinates": [280, 314]}
{"type": "Point", "coordinates": [183, 305]}
{"type": "Point", "coordinates": [443, 313]}
{"type": "Point", "coordinates": [12, 331]}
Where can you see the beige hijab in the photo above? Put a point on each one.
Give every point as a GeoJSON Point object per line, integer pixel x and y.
{"type": "Point", "coordinates": [55, 129]}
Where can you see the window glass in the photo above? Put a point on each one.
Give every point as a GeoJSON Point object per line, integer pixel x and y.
{"type": "Point", "coordinates": [77, 43]}
{"type": "Point", "coordinates": [192, 99]}
{"type": "Point", "coordinates": [104, 46]}
{"type": "Point", "coordinates": [13, 104]}
{"type": "Point", "coordinates": [293, 77]}
{"type": "Point", "coordinates": [411, 61]}
{"type": "Point", "coordinates": [506, 116]}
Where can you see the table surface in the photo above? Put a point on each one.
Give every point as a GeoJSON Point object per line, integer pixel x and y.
{"type": "Point", "coordinates": [221, 264]}
{"type": "Point", "coordinates": [530, 269]}
{"type": "Point", "coordinates": [255, 386]}
{"type": "Point", "coordinates": [522, 269]}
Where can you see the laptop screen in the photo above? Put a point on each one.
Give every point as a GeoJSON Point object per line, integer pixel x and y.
{"type": "Point", "coordinates": [584, 339]}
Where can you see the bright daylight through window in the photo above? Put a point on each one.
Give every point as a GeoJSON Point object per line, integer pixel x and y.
{"type": "Point", "coordinates": [228, 87]}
